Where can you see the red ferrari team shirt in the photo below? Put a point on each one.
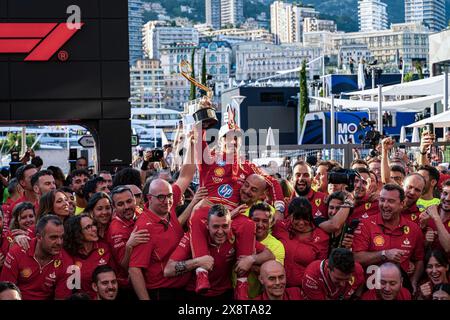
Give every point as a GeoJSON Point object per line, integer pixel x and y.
{"type": "Point", "coordinates": [432, 225]}
{"type": "Point", "coordinates": [373, 235]}
{"type": "Point", "coordinates": [37, 282]}
{"type": "Point", "coordinates": [224, 180]}
{"type": "Point", "coordinates": [293, 293]}
{"type": "Point", "coordinates": [99, 256]}
{"type": "Point", "coordinates": [317, 284]}
{"type": "Point", "coordinates": [300, 252]}
{"type": "Point", "coordinates": [224, 260]}
{"type": "Point", "coordinates": [165, 235]}
{"type": "Point", "coordinates": [412, 214]}
{"type": "Point", "coordinates": [119, 232]}
{"type": "Point", "coordinates": [317, 201]}
{"type": "Point", "coordinates": [364, 210]}
{"type": "Point", "coordinates": [372, 295]}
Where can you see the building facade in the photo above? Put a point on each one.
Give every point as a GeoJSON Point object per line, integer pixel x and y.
{"type": "Point", "coordinates": [429, 12]}
{"type": "Point", "coordinates": [286, 21]}
{"type": "Point", "coordinates": [240, 35]}
{"type": "Point", "coordinates": [212, 13]}
{"type": "Point", "coordinates": [135, 22]}
{"type": "Point", "coordinates": [256, 60]}
{"type": "Point", "coordinates": [147, 84]}
{"type": "Point", "coordinates": [372, 15]}
{"type": "Point", "coordinates": [314, 24]}
{"type": "Point", "coordinates": [231, 12]}
{"type": "Point", "coordinates": [157, 34]}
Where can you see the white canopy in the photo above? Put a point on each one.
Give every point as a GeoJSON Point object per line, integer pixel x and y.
{"type": "Point", "coordinates": [410, 105]}
{"type": "Point", "coordinates": [423, 87]}
{"type": "Point", "coordinates": [441, 120]}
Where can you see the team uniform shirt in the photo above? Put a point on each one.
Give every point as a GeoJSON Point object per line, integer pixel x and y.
{"type": "Point", "coordinates": [364, 210]}
{"type": "Point", "coordinates": [34, 281]}
{"type": "Point", "coordinates": [431, 224]}
{"type": "Point", "coordinates": [424, 204]}
{"type": "Point", "coordinates": [24, 199]}
{"type": "Point", "coordinates": [224, 180]}
{"type": "Point", "coordinates": [224, 259]}
{"type": "Point", "coordinates": [5, 242]}
{"type": "Point", "coordinates": [317, 285]}
{"type": "Point", "coordinates": [78, 210]}
{"type": "Point", "coordinates": [293, 293]}
{"type": "Point", "coordinates": [412, 214]}
{"type": "Point", "coordinates": [372, 235]}
{"type": "Point", "coordinates": [403, 294]}
{"type": "Point", "coordinates": [300, 252]}
{"type": "Point", "coordinates": [165, 235]}
{"type": "Point", "coordinates": [99, 256]}
{"type": "Point", "coordinates": [118, 233]}
{"type": "Point", "coordinates": [7, 213]}
{"type": "Point", "coordinates": [317, 201]}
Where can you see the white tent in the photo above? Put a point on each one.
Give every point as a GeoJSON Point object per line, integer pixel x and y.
{"type": "Point", "coordinates": [441, 120]}
{"type": "Point", "coordinates": [423, 87]}
{"type": "Point", "coordinates": [411, 105]}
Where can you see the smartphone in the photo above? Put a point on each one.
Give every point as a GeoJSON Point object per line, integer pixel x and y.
{"type": "Point", "coordinates": [429, 127]}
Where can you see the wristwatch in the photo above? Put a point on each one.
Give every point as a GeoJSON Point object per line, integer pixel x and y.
{"type": "Point", "coordinates": [383, 255]}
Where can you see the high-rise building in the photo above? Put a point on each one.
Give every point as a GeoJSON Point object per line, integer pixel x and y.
{"type": "Point", "coordinates": [313, 24]}
{"type": "Point", "coordinates": [372, 15]}
{"type": "Point", "coordinates": [212, 13]}
{"type": "Point", "coordinates": [146, 84]}
{"type": "Point", "coordinates": [286, 21]}
{"type": "Point", "coordinates": [157, 34]}
{"type": "Point", "coordinates": [429, 12]}
{"type": "Point", "coordinates": [135, 22]}
{"type": "Point", "coordinates": [231, 12]}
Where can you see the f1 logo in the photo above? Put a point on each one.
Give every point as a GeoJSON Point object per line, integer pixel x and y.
{"type": "Point", "coordinates": [40, 40]}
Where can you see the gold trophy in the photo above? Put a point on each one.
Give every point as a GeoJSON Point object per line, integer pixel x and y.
{"type": "Point", "coordinates": [204, 110]}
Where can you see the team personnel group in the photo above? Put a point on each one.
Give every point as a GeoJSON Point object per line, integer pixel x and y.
{"type": "Point", "coordinates": [240, 233]}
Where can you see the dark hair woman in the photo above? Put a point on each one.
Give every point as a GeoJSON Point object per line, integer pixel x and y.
{"type": "Point", "coordinates": [99, 209]}
{"type": "Point", "coordinates": [54, 202]}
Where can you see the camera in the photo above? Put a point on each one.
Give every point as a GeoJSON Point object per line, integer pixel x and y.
{"type": "Point", "coordinates": [343, 176]}
{"type": "Point", "coordinates": [371, 138]}
{"type": "Point", "coordinates": [156, 155]}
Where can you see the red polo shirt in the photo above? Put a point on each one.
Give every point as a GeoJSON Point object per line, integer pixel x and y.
{"type": "Point", "coordinates": [317, 200]}
{"type": "Point", "coordinates": [293, 293]}
{"type": "Point", "coordinates": [300, 252]}
{"type": "Point", "coordinates": [224, 260]}
{"type": "Point", "coordinates": [34, 281]}
{"type": "Point", "coordinates": [432, 225]}
{"type": "Point", "coordinates": [372, 235]}
{"type": "Point", "coordinates": [118, 233]}
{"type": "Point", "coordinates": [317, 285]}
{"type": "Point", "coordinates": [412, 214]}
{"type": "Point", "coordinates": [99, 256]}
{"type": "Point", "coordinates": [364, 210]}
{"type": "Point", "coordinates": [404, 294]}
{"type": "Point", "coordinates": [164, 239]}
{"type": "Point", "coordinates": [23, 199]}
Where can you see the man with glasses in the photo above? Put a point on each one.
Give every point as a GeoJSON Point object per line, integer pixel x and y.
{"type": "Point", "coordinates": [148, 260]}
{"type": "Point", "coordinates": [389, 237]}
{"type": "Point", "coordinates": [122, 236]}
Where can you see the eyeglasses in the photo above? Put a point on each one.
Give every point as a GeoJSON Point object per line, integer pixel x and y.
{"type": "Point", "coordinates": [163, 197]}
{"type": "Point", "coordinates": [89, 227]}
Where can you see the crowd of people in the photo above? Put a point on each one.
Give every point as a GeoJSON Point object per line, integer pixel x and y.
{"type": "Point", "coordinates": [238, 234]}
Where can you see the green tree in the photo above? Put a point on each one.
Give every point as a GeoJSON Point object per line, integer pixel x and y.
{"type": "Point", "coordinates": [304, 99]}
{"type": "Point", "coordinates": [192, 94]}
{"type": "Point", "coordinates": [419, 70]}
{"type": "Point", "coordinates": [203, 82]}
{"type": "Point", "coordinates": [408, 77]}
{"type": "Point", "coordinates": [15, 139]}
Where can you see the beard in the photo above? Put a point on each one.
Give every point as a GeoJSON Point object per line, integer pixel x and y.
{"type": "Point", "coordinates": [304, 192]}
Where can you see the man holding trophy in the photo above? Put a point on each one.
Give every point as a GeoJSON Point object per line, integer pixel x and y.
{"type": "Point", "coordinates": [222, 173]}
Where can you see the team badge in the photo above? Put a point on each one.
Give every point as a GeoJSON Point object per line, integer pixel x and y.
{"type": "Point", "coordinates": [318, 213]}
{"type": "Point", "coordinates": [406, 242]}
{"type": "Point", "coordinates": [317, 202]}
{"type": "Point", "coordinates": [413, 217]}
{"type": "Point", "coordinates": [365, 215]}
{"type": "Point", "coordinates": [368, 205]}
{"type": "Point", "coordinates": [101, 251]}
{"type": "Point", "coordinates": [57, 263]}
{"type": "Point", "coordinates": [225, 191]}
{"type": "Point", "coordinates": [405, 229]}
{"type": "Point", "coordinates": [221, 163]}
{"type": "Point", "coordinates": [219, 172]}
{"type": "Point", "coordinates": [10, 240]}
{"type": "Point", "coordinates": [102, 261]}
{"type": "Point", "coordinates": [378, 241]}
{"type": "Point", "coordinates": [352, 280]}
{"type": "Point", "coordinates": [26, 273]}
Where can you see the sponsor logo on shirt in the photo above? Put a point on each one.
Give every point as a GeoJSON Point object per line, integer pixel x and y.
{"type": "Point", "coordinates": [413, 217]}
{"type": "Point", "coordinates": [102, 261]}
{"type": "Point", "coordinates": [352, 280]}
{"type": "Point", "coordinates": [225, 191]}
{"type": "Point", "coordinates": [368, 205]}
{"type": "Point", "coordinates": [406, 242]}
{"type": "Point", "coordinates": [219, 172]}
{"type": "Point", "coordinates": [317, 202]}
{"type": "Point", "coordinates": [101, 251]}
{"type": "Point", "coordinates": [26, 273]}
{"type": "Point", "coordinates": [221, 163]}
{"type": "Point", "coordinates": [365, 215]}
{"type": "Point", "coordinates": [405, 229]}
{"type": "Point", "coordinates": [79, 264]}
{"type": "Point", "coordinates": [57, 263]}
{"type": "Point", "coordinates": [318, 213]}
{"type": "Point", "coordinates": [52, 275]}
{"type": "Point", "coordinates": [378, 241]}
{"type": "Point", "coordinates": [217, 180]}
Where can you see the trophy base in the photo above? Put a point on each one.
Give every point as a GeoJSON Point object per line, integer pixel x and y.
{"type": "Point", "coordinates": [207, 116]}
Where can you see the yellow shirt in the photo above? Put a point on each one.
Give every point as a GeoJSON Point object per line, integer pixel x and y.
{"type": "Point", "coordinates": [78, 210]}
{"type": "Point", "coordinates": [424, 204]}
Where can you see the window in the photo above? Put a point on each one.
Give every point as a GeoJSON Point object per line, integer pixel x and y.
{"type": "Point", "coordinates": [213, 58]}
{"type": "Point", "coordinates": [223, 69]}
{"type": "Point", "coordinates": [213, 70]}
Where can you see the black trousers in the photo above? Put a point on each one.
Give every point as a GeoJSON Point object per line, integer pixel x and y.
{"type": "Point", "coordinates": [167, 294]}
